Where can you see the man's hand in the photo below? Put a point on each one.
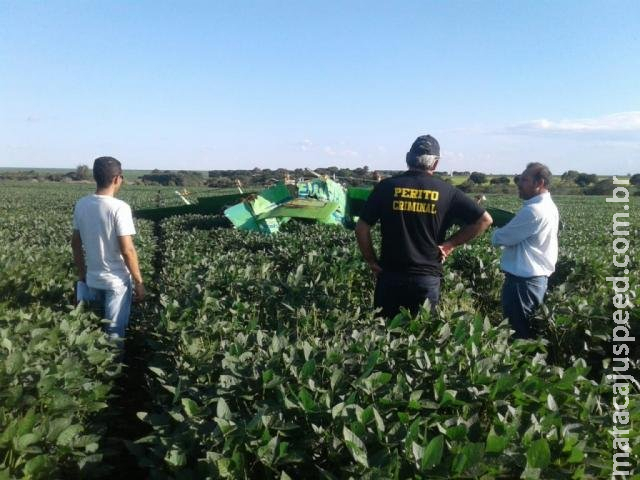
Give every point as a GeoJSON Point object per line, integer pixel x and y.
{"type": "Point", "coordinates": [139, 292]}
{"type": "Point", "coordinates": [464, 235]}
{"type": "Point", "coordinates": [375, 268]}
{"type": "Point", "coordinates": [363, 236]}
{"type": "Point", "coordinates": [445, 250]}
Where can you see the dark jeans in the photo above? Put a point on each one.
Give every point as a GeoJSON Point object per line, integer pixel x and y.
{"type": "Point", "coordinates": [395, 290]}
{"type": "Point", "coordinates": [520, 299]}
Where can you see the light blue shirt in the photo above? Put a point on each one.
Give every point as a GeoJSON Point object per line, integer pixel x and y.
{"type": "Point", "coordinates": [530, 239]}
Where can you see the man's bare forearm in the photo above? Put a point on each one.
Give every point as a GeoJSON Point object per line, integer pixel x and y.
{"type": "Point", "coordinates": [78, 256]}
{"type": "Point", "coordinates": [131, 261]}
{"type": "Point", "coordinates": [365, 244]}
{"type": "Point", "coordinates": [469, 232]}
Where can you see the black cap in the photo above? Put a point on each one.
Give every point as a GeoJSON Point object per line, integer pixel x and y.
{"type": "Point", "coordinates": [424, 145]}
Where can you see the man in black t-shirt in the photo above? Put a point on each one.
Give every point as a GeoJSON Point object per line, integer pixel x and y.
{"type": "Point", "coordinates": [415, 209]}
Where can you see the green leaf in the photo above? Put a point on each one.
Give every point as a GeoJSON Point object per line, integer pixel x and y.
{"type": "Point", "coordinates": [539, 454]}
{"type": "Point", "coordinates": [418, 452]}
{"type": "Point", "coordinates": [56, 426]}
{"type": "Point", "coordinates": [433, 453]}
{"type": "Point", "coordinates": [438, 388]}
{"type": "Point", "coordinates": [9, 432]}
{"type": "Point", "coordinates": [504, 384]}
{"type": "Point", "coordinates": [372, 361]}
{"type": "Point", "coordinates": [377, 380]}
{"type": "Point", "coordinates": [14, 362]}
{"type": "Point", "coordinates": [496, 443]}
{"type": "Point", "coordinates": [470, 456]}
{"type": "Point", "coordinates": [308, 404]}
{"type": "Point", "coordinates": [399, 320]}
{"type": "Point", "coordinates": [577, 454]}
{"type": "Point", "coordinates": [355, 446]}
{"type": "Point", "coordinates": [26, 440]}
{"type": "Point", "coordinates": [457, 432]}
{"type": "Point", "coordinates": [225, 426]}
{"type": "Point", "coordinates": [191, 408]}
{"type": "Point", "coordinates": [335, 378]}
{"type": "Point", "coordinates": [378, 419]}
{"type": "Point", "coordinates": [6, 343]}
{"type": "Point", "coordinates": [68, 434]}
{"type": "Point", "coordinates": [36, 467]}
{"type": "Point", "coordinates": [308, 369]}
{"type": "Point", "coordinates": [26, 423]}
{"type": "Point", "coordinates": [222, 410]}
{"type": "Point", "coordinates": [270, 379]}
{"type": "Point", "coordinates": [530, 473]}
{"type": "Point", "coordinates": [176, 457]}
{"type": "Point", "coordinates": [267, 453]}
{"type": "Point", "coordinates": [158, 372]}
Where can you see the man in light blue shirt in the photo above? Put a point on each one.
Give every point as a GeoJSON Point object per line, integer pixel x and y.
{"type": "Point", "coordinates": [530, 242]}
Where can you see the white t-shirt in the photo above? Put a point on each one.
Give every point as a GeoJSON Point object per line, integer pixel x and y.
{"type": "Point", "coordinates": [530, 239]}
{"type": "Point", "coordinates": [101, 219]}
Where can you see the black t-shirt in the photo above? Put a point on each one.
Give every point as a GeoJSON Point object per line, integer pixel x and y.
{"type": "Point", "coordinates": [415, 210]}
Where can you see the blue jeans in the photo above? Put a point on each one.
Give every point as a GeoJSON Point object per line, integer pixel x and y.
{"type": "Point", "coordinates": [520, 299]}
{"type": "Point", "coordinates": [113, 305]}
{"type": "Point", "coordinates": [395, 290]}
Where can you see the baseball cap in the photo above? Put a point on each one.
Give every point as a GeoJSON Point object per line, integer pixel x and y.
{"type": "Point", "coordinates": [425, 145]}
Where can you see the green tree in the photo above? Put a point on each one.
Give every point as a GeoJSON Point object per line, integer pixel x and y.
{"type": "Point", "coordinates": [603, 187]}
{"type": "Point", "coordinates": [83, 172]}
{"type": "Point", "coordinates": [584, 179]}
{"type": "Point", "coordinates": [569, 175]}
{"type": "Point", "coordinates": [500, 180]}
{"type": "Point", "coordinates": [478, 178]}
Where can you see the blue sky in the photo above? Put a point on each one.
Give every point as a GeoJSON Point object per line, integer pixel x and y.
{"type": "Point", "coordinates": [268, 84]}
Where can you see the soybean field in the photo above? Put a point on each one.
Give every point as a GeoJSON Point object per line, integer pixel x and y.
{"type": "Point", "coordinates": [260, 357]}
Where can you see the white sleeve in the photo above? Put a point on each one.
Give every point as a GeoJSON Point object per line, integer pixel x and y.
{"type": "Point", "coordinates": [521, 227]}
{"type": "Point", "coordinates": [124, 221]}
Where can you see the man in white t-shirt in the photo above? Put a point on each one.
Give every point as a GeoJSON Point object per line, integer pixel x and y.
{"type": "Point", "coordinates": [530, 242]}
{"type": "Point", "coordinates": [103, 252]}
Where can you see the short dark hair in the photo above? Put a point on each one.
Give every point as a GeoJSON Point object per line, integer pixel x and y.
{"type": "Point", "coordinates": [540, 172]}
{"type": "Point", "coordinates": [105, 169]}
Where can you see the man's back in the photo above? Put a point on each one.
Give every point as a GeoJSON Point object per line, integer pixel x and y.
{"type": "Point", "coordinates": [101, 219]}
{"type": "Point", "coordinates": [415, 210]}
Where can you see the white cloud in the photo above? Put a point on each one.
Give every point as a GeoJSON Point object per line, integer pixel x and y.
{"type": "Point", "coordinates": [615, 123]}
{"type": "Point", "coordinates": [305, 145]}
{"type": "Point", "coordinates": [330, 151]}
{"type": "Point", "coordinates": [342, 153]}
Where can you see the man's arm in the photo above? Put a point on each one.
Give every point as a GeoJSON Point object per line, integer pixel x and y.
{"type": "Point", "coordinates": [78, 255]}
{"type": "Point", "coordinates": [130, 257]}
{"type": "Point", "coordinates": [363, 235]}
{"type": "Point", "coordinates": [521, 227]}
{"type": "Point", "coordinates": [465, 234]}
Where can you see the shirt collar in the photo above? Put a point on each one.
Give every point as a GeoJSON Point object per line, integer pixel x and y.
{"type": "Point", "coordinates": [538, 198]}
{"type": "Point", "coordinates": [417, 173]}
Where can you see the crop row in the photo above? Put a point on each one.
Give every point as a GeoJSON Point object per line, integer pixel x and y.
{"type": "Point", "coordinates": [271, 363]}
{"type": "Point", "coordinates": [260, 356]}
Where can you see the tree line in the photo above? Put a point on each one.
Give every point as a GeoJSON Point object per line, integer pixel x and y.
{"type": "Point", "coordinates": [570, 182]}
